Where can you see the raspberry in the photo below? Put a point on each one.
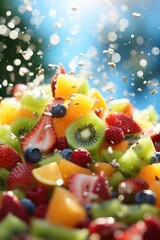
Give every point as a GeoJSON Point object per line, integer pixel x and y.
{"type": "Point", "coordinates": [81, 157]}
{"type": "Point", "coordinates": [62, 143]}
{"type": "Point", "coordinates": [37, 194]}
{"type": "Point", "coordinates": [114, 135]}
{"type": "Point", "coordinates": [40, 211]}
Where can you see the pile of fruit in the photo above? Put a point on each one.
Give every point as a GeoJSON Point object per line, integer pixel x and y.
{"type": "Point", "coordinates": [75, 167]}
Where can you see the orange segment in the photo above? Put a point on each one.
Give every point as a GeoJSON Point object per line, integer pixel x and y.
{"type": "Point", "coordinates": [150, 172]}
{"type": "Point", "coordinates": [10, 109]}
{"type": "Point", "coordinates": [48, 175]}
{"type": "Point", "coordinates": [98, 98]}
{"type": "Point", "coordinates": [66, 85]}
{"type": "Point", "coordinates": [105, 168]}
{"type": "Point", "coordinates": [155, 187]}
{"type": "Point", "coordinates": [68, 168]}
{"type": "Point", "coordinates": [64, 209]}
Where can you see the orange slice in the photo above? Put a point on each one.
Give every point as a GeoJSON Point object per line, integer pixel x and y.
{"type": "Point", "coordinates": [64, 209]}
{"type": "Point", "coordinates": [48, 175]}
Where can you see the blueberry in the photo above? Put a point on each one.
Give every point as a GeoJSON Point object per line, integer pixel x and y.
{"type": "Point", "coordinates": [66, 153]}
{"type": "Point", "coordinates": [145, 196]}
{"type": "Point", "coordinates": [58, 110]}
{"type": "Point", "coordinates": [155, 158]}
{"type": "Point", "coordinates": [32, 155]}
{"type": "Point", "coordinates": [28, 205]}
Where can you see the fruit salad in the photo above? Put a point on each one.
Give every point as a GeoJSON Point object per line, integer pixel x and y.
{"type": "Point", "coordinates": [73, 166]}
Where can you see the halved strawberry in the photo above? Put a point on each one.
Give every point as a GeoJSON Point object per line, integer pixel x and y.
{"type": "Point", "coordinates": [128, 187]}
{"type": "Point", "coordinates": [60, 69]}
{"type": "Point", "coordinates": [89, 188]}
{"type": "Point", "coordinates": [123, 121]}
{"type": "Point", "coordinates": [9, 157]}
{"type": "Point", "coordinates": [21, 176]}
{"type": "Point", "coordinates": [42, 136]}
{"type": "Point", "coordinates": [11, 204]}
{"type": "Point", "coordinates": [154, 132]}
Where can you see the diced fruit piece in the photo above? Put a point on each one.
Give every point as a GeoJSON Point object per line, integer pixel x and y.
{"type": "Point", "coordinates": [10, 109]}
{"type": "Point", "coordinates": [35, 100]}
{"type": "Point", "coordinates": [64, 209]}
{"type": "Point", "coordinates": [70, 83]}
{"type": "Point", "coordinates": [150, 172]}
{"type": "Point", "coordinates": [83, 85]}
{"type": "Point", "coordinates": [18, 90]}
{"type": "Point", "coordinates": [138, 155]}
{"type": "Point", "coordinates": [20, 176]}
{"type": "Point", "coordinates": [123, 121]}
{"type": "Point", "coordinates": [81, 157]}
{"type": "Point", "coordinates": [109, 155]}
{"type": "Point", "coordinates": [58, 70]}
{"type": "Point", "coordinates": [99, 101]}
{"type": "Point", "coordinates": [9, 157]}
{"type": "Point", "coordinates": [42, 136]}
{"type": "Point", "coordinates": [11, 140]}
{"type": "Point", "coordinates": [89, 188]}
{"type": "Point", "coordinates": [114, 135]}
{"type": "Point", "coordinates": [41, 229]}
{"type": "Point", "coordinates": [155, 187]}
{"type": "Point", "coordinates": [40, 211]}
{"type": "Point", "coordinates": [115, 179]}
{"type": "Point", "coordinates": [4, 130]}
{"type": "Point", "coordinates": [103, 168]}
{"type": "Point", "coordinates": [48, 175]}
{"type": "Point", "coordinates": [86, 132]}
{"type": "Point", "coordinates": [12, 225]}
{"type": "Point", "coordinates": [68, 168]}
{"type": "Point", "coordinates": [130, 163]}
{"type": "Point", "coordinates": [106, 209]}
{"type": "Point", "coordinates": [144, 148]}
{"type": "Point", "coordinates": [11, 204]}
{"type": "Point", "coordinates": [117, 105]}
{"type": "Point", "coordinates": [22, 125]}
{"type": "Point", "coordinates": [49, 159]}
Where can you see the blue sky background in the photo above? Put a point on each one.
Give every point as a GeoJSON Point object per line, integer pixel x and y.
{"type": "Point", "coordinates": [87, 29]}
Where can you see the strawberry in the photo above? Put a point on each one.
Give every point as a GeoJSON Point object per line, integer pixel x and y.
{"type": "Point", "coordinates": [135, 231]}
{"type": "Point", "coordinates": [152, 228]}
{"type": "Point", "coordinates": [60, 69]}
{"type": "Point", "coordinates": [114, 135]}
{"type": "Point", "coordinates": [123, 121]}
{"type": "Point", "coordinates": [89, 188]}
{"type": "Point", "coordinates": [9, 157]}
{"type": "Point", "coordinates": [18, 90]}
{"type": "Point", "coordinates": [128, 187]}
{"type": "Point", "coordinates": [42, 136]}
{"type": "Point", "coordinates": [105, 227]}
{"type": "Point", "coordinates": [11, 204]}
{"type": "Point", "coordinates": [154, 132]}
{"type": "Point", "coordinates": [20, 176]}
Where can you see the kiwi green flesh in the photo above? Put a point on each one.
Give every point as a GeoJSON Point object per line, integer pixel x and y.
{"type": "Point", "coordinates": [45, 230]}
{"type": "Point", "coordinates": [87, 132]}
{"type": "Point", "coordinates": [22, 125]}
{"type": "Point", "coordinates": [122, 212]}
{"type": "Point", "coordinates": [12, 225]}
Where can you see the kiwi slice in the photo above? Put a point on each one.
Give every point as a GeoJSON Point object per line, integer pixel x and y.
{"type": "Point", "coordinates": [22, 125]}
{"type": "Point", "coordinates": [86, 132]}
{"type": "Point", "coordinates": [4, 173]}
